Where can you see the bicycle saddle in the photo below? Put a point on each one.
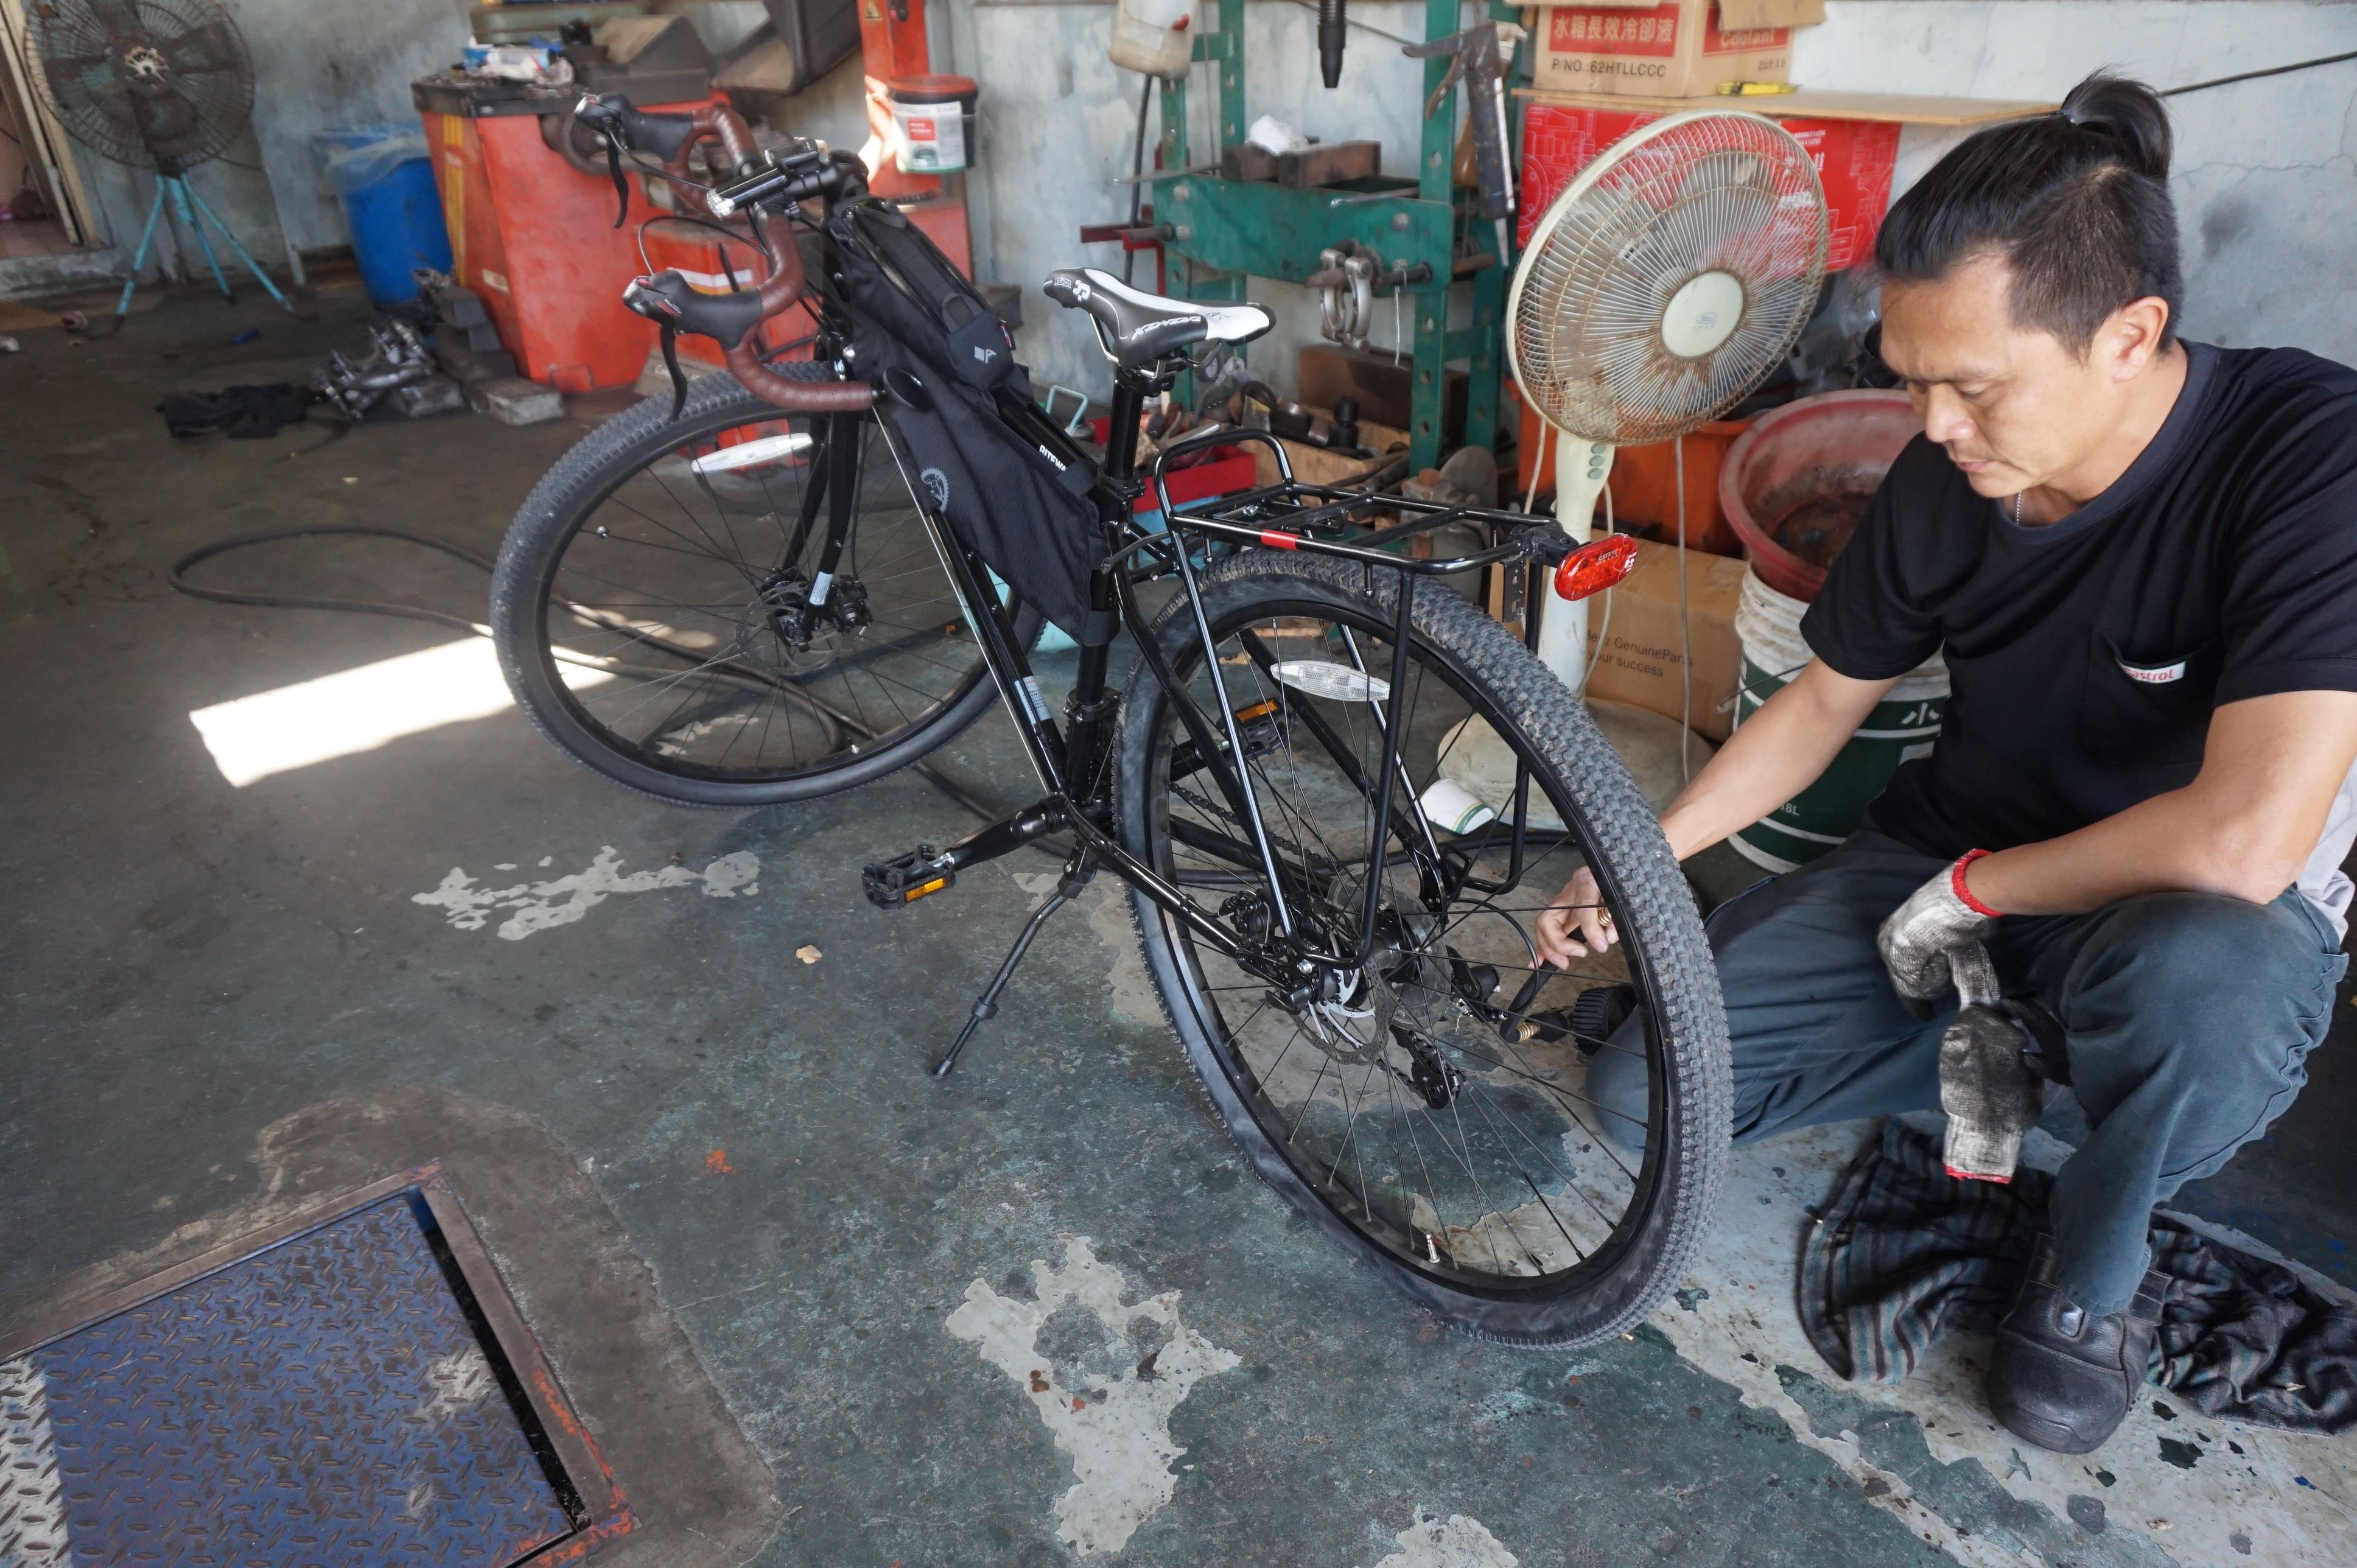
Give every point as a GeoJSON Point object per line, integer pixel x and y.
{"type": "Point", "coordinates": [1136, 328]}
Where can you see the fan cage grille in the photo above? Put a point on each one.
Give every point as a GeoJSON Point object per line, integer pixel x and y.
{"type": "Point", "coordinates": [161, 83]}
{"type": "Point", "coordinates": [1713, 191]}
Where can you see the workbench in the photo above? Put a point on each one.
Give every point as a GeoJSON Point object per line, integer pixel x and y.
{"type": "Point", "coordinates": [1221, 232]}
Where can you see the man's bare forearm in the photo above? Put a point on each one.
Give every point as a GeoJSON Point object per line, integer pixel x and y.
{"type": "Point", "coordinates": [2244, 828]}
{"type": "Point", "coordinates": [1775, 754]}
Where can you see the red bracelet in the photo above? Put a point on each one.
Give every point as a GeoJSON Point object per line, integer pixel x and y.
{"type": "Point", "coordinates": [1956, 882]}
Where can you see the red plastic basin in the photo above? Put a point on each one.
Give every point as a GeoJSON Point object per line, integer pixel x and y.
{"type": "Point", "coordinates": [1818, 447]}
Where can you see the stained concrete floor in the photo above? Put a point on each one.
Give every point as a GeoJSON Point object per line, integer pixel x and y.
{"type": "Point", "coordinates": [206, 982]}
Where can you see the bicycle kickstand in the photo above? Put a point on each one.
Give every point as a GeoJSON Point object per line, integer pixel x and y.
{"type": "Point", "coordinates": [1077, 875]}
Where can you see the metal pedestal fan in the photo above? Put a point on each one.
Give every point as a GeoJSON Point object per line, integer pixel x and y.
{"type": "Point", "coordinates": [1662, 286]}
{"type": "Point", "coordinates": [162, 84]}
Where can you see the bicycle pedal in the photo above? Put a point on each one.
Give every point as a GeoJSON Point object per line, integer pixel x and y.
{"type": "Point", "coordinates": [919, 873]}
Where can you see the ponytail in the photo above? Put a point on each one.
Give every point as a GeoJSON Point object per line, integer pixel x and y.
{"type": "Point", "coordinates": [2076, 203]}
{"type": "Point", "coordinates": [2130, 113]}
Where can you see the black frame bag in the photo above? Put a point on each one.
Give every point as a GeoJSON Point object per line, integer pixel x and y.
{"type": "Point", "coordinates": [1005, 480]}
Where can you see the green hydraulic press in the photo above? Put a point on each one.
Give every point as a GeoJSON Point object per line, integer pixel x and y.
{"type": "Point", "coordinates": [1219, 233]}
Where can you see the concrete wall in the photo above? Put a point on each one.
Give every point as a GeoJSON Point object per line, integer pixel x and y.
{"type": "Point", "coordinates": [2266, 184]}
{"type": "Point", "coordinates": [2266, 171]}
{"type": "Point", "coordinates": [1058, 122]}
{"type": "Point", "coordinates": [315, 67]}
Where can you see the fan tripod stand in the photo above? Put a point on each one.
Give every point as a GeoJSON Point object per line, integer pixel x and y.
{"type": "Point", "coordinates": [193, 213]}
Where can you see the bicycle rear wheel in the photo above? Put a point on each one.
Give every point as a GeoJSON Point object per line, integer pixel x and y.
{"type": "Point", "coordinates": [664, 614]}
{"type": "Point", "coordinates": [1425, 1122]}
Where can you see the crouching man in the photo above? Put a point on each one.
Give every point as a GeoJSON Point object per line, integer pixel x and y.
{"type": "Point", "coordinates": [2139, 556]}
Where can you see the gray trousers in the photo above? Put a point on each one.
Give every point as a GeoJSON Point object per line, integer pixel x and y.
{"type": "Point", "coordinates": [2190, 1017]}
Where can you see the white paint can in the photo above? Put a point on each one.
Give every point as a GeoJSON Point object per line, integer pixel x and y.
{"type": "Point", "coordinates": [932, 122]}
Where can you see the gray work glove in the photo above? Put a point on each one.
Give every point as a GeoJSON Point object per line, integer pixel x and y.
{"type": "Point", "coordinates": [1933, 941]}
{"type": "Point", "coordinates": [1991, 1093]}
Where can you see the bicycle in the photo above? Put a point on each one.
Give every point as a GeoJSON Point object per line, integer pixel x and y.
{"type": "Point", "coordinates": [1362, 1003]}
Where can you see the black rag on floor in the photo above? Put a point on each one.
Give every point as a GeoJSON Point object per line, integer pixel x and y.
{"type": "Point", "coordinates": [244, 413]}
{"type": "Point", "coordinates": [1902, 1253]}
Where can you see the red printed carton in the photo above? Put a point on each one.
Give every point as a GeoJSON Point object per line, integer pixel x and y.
{"type": "Point", "coordinates": [1677, 48]}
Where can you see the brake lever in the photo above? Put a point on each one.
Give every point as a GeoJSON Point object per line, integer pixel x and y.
{"type": "Point", "coordinates": [596, 113]}
{"type": "Point", "coordinates": [678, 376]}
{"type": "Point", "coordinates": [621, 184]}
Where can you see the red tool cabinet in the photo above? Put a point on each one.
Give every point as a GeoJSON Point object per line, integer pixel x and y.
{"type": "Point", "coordinates": [535, 237]}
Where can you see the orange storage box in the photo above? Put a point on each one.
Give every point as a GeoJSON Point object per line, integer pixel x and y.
{"type": "Point", "coordinates": [535, 237]}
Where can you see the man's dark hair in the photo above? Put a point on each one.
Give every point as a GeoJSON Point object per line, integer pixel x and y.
{"type": "Point", "coordinates": [2075, 202]}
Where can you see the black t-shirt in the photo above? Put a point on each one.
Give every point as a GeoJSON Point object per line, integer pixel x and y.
{"type": "Point", "coordinates": [2087, 655]}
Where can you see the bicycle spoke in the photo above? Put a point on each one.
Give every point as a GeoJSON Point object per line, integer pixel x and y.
{"type": "Point", "coordinates": [1365, 1085]}
{"type": "Point", "coordinates": [690, 565]}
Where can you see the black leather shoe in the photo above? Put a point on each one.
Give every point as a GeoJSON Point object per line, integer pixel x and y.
{"type": "Point", "coordinates": [2062, 1377]}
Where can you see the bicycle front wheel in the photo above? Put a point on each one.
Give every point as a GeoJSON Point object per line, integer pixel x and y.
{"type": "Point", "coordinates": [735, 608]}
{"type": "Point", "coordinates": [1428, 1108]}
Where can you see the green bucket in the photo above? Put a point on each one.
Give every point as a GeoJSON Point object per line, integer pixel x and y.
{"type": "Point", "coordinates": [1904, 726]}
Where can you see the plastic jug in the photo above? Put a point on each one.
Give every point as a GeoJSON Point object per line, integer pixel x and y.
{"type": "Point", "coordinates": [1156, 37]}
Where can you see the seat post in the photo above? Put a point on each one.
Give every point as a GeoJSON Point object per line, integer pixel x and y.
{"type": "Point", "coordinates": [1129, 391]}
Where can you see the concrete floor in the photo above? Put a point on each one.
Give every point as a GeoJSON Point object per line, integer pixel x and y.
{"type": "Point", "coordinates": [219, 997]}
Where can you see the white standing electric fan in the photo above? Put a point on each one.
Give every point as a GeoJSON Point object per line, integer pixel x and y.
{"type": "Point", "coordinates": [1666, 283]}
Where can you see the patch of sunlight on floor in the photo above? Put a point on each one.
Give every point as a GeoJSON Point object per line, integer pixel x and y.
{"type": "Point", "coordinates": [359, 710]}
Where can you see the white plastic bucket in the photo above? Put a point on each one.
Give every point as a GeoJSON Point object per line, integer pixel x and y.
{"type": "Point", "coordinates": [1904, 726]}
{"type": "Point", "coordinates": [933, 122]}
{"type": "Point", "coordinates": [1155, 37]}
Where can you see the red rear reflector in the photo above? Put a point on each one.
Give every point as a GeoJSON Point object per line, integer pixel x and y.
{"type": "Point", "coordinates": [1592, 568]}
{"type": "Point", "coordinates": [1280, 541]}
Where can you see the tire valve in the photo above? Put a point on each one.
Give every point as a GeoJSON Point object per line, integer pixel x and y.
{"type": "Point", "coordinates": [1431, 1250]}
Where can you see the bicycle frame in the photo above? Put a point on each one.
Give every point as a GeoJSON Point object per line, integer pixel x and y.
{"type": "Point", "coordinates": [1073, 762]}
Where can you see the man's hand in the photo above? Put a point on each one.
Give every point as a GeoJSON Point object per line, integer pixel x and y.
{"type": "Point", "coordinates": [1991, 1094]}
{"type": "Point", "coordinates": [1579, 923]}
{"type": "Point", "coordinates": [1934, 941]}
{"type": "Point", "coordinates": [1774, 757]}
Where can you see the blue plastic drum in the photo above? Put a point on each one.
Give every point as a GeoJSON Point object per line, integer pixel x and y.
{"type": "Point", "coordinates": [385, 176]}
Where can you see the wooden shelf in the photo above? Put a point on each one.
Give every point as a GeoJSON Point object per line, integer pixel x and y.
{"type": "Point", "coordinates": [1907, 108]}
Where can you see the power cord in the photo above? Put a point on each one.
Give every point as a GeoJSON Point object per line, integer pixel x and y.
{"type": "Point", "coordinates": [177, 577]}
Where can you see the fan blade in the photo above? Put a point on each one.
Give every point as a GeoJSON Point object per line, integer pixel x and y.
{"type": "Point", "coordinates": [201, 49]}
{"type": "Point", "coordinates": [165, 120]}
{"type": "Point", "coordinates": [119, 19]}
{"type": "Point", "coordinates": [74, 79]}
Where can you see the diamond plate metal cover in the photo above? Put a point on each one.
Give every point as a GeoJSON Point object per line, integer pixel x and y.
{"type": "Point", "coordinates": [323, 1401]}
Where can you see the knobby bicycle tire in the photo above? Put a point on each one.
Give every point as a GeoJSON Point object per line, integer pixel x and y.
{"type": "Point", "coordinates": [536, 542]}
{"type": "Point", "coordinates": [1662, 930]}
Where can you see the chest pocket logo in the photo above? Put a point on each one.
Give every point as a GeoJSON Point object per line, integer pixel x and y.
{"type": "Point", "coordinates": [2144, 721]}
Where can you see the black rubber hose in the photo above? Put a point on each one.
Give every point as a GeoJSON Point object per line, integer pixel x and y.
{"type": "Point", "coordinates": [1332, 23]}
{"type": "Point", "coordinates": [1136, 183]}
{"type": "Point", "coordinates": [177, 577]}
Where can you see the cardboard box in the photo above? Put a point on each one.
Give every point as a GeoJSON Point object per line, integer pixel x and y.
{"type": "Point", "coordinates": [1638, 659]}
{"type": "Point", "coordinates": [1677, 48]}
{"type": "Point", "coordinates": [1773, 13]}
